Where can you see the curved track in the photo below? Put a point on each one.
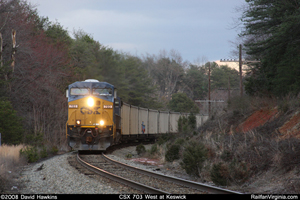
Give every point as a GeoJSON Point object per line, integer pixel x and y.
{"type": "Point", "coordinates": [119, 179]}
{"type": "Point", "coordinates": [136, 178]}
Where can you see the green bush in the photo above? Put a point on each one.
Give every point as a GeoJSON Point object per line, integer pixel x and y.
{"type": "Point", "coordinates": [153, 149]}
{"type": "Point", "coordinates": [43, 152]}
{"type": "Point", "coordinates": [186, 124]}
{"type": "Point", "coordinates": [179, 141]}
{"type": "Point", "coordinates": [226, 155]}
{"type": "Point", "coordinates": [129, 155]}
{"type": "Point", "coordinates": [224, 174]}
{"type": "Point", "coordinates": [172, 153]}
{"type": "Point", "coordinates": [240, 105]}
{"type": "Point", "coordinates": [30, 153]}
{"type": "Point", "coordinates": [140, 149]}
{"type": "Point", "coordinates": [182, 123]}
{"type": "Point", "coordinates": [164, 138]}
{"type": "Point", "coordinates": [180, 102]}
{"type": "Point", "coordinates": [192, 121]}
{"type": "Point", "coordinates": [239, 171]}
{"type": "Point", "coordinates": [220, 174]}
{"type": "Point", "coordinates": [54, 150]}
{"type": "Point", "coordinates": [194, 156]}
{"type": "Point", "coordinates": [10, 124]}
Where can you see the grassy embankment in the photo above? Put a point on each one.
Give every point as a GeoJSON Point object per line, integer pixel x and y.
{"type": "Point", "coordinates": [10, 161]}
{"type": "Point", "coordinates": [252, 146]}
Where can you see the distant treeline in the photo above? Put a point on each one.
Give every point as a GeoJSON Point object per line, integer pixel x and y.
{"type": "Point", "coordinates": [47, 59]}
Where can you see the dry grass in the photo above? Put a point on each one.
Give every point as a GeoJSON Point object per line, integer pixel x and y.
{"type": "Point", "coordinates": [9, 157]}
{"type": "Point", "coordinates": [256, 150]}
{"type": "Point", "coordinates": [9, 161]}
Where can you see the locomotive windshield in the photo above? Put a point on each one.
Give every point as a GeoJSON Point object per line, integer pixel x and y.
{"type": "Point", "coordinates": [80, 91]}
{"type": "Point", "coordinates": [102, 92]}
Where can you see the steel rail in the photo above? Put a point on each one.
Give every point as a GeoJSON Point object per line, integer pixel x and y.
{"type": "Point", "coordinates": [192, 184]}
{"type": "Point", "coordinates": [135, 185]}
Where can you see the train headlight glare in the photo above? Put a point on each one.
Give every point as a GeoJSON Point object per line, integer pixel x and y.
{"type": "Point", "coordinates": [78, 121]}
{"type": "Point", "coordinates": [101, 122]}
{"type": "Point", "coordinates": [90, 102]}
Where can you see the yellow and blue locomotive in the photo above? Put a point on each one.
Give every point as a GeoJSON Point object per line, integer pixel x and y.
{"type": "Point", "coordinates": [94, 121]}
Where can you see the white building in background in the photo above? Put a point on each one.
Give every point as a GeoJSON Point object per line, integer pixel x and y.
{"type": "Point", "coordinates": [234, 64]}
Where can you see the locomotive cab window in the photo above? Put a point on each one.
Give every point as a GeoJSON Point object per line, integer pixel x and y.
{"type": "Point", "coordinates": [80, 91]}
{"type": "Point", "coordinates": [102, 92]}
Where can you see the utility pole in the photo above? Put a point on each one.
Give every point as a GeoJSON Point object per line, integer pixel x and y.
{"type": "Point", "coordinates": [1, 49]}
{"type": "Point", "coordinates": [209, 90]}
{"type": "Point", "coordinates": [241, 62]}
{"type": "Point", "coordinates": [14, 44]}
{"type": "Point", "coordinates": [240, 69]}
{"type": "Point", "coordinates": [228, 88]}
{"type": "Point", "coordinates": [1, 57]}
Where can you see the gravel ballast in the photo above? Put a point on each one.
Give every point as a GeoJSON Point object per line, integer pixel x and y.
{"type": "Point", "coordinates": [58, 177]}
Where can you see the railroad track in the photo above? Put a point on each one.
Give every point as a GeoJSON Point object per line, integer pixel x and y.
{"type": "Point", "coordinates": [143, 180]}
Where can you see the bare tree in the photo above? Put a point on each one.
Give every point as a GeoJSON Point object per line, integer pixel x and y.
{"type": "Point", "coordinates": [40, 75]}
{"type": "Point", "coordinates": [167, 71]}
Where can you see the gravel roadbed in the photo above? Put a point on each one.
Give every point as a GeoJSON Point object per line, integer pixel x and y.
{"type": "Point", "coordinates": [58, 177]}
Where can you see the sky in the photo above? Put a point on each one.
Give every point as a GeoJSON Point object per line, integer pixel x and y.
{"type": "Point", "coordinates": [199, 30]}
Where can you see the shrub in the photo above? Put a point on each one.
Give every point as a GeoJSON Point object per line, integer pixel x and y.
{"type": "Point", "coordinates": [240, 105]}
{"type": "Point", "coordinates": [153, 149]}
{"type": "Point", "coordinates": [129, 155]}
{"type": "Point", "coordinates": [287, 103]}
{"type": "Point", "coordinates": [290, 151]}
{"type": "Point", "coordinates": [140, 149]}
{"type": "Point", "coordinates": [54, 150]}
{"type": "Point", "coordinates": [226, 155]}
{"type": "Point", "coordinates": [164, 138]}
{"type": "Point", "coordinates": [192, 121]}
{"type": "Point", "coordinates": [179, 141]}
{"type": "Point", "coordinates": [239, 171]}
{"type": "Point", "coordinates": [43, 153]}
{"type": "Point", "coordinates": [30, 153]}
{"type": "Point", "coordinates": [187, 123]}
{"type": "Point", "coordinates": [194, 156]}
{"type": "Point", "coordinates": [180, 102]}
{"type": "Point", "coordinates": [172, 153]}
{"type": "Point", "coordinates": [180, 123]}
{"type": "Point", "coordinates": [220, 174]}
{"type": "Point", "coordinates": [11, 124]}
{"type": "Point", "coordinates": [224, 174]}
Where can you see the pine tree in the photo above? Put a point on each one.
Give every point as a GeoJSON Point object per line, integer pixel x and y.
{"type": "Point", "coordinates": [10, 124]}
{"type": "Point", "coordinates": [272, 29]}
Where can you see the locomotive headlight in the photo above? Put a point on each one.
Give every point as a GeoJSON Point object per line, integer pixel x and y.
{"type": "Point", "coordinates": [90, 101]}
{"type": "Point", "coordinates": [78, 121]}
{"type": "Point", "coordinates": [101, 122]}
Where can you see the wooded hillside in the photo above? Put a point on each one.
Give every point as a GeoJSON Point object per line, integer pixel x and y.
{"type": "Point", "coordinates": [47, 59]}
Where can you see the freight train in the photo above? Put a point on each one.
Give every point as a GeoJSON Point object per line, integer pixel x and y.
{"type": "Point", "coordinates": [97, 118]}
